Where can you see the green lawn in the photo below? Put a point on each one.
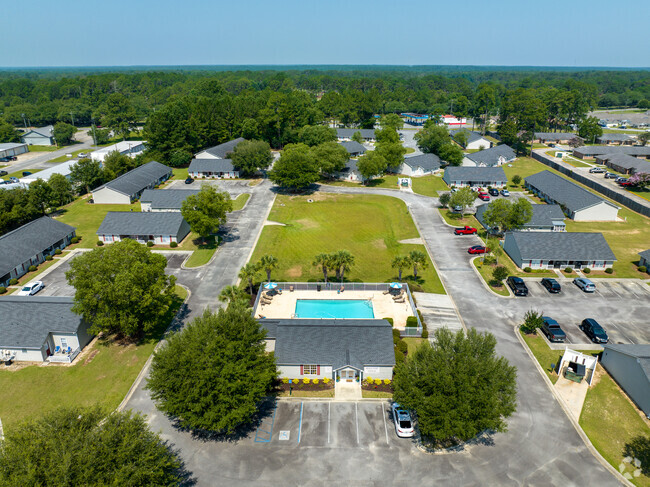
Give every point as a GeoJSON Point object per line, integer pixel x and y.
{"type": "Point", "coordinates": [409, 150]}
{"type": "Point", "coordinates": [42, 148]}
{"type": "Point", "coordinates": [486, 274]}
{"type": "Point", "coordinates": [413, 343]}
{"type": "Point", "coordinates": [86, 218]}
{"type": "Point", "coordinates": [65, 158]}
{"type": "Point", "coordinates": [386, 181]}
{"type": "Point", "coordinates": [610, 421]}
{"type": "Point", "coordinates": [376, 395]}
{"type": "Point", "coordinates": [298, 393]}
{"type": "Point", "coordinates": [19, 174]}
{"type": "Point", "coordinates": [239, 202]}
{"type": "Point", "coordinates": [429, 185]}
{"type": "Point", "coordinates": [524, 167]}
{"type": "Point", "coordinates": [368, 226]}
{"type": "Point", "coordinates": [641, 192]}
{"type": "Point", "coordinates": [202, 252]}
{"type": "Point", "coordinates": [102, 374]}
{"type": "Point", "coordinates": [458, 220]}
{"type": "Point", "coordinates": [179, 173]}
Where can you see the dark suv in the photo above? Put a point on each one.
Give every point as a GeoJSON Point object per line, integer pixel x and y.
{"type": "Point", "coordinates": [551, 285]}
{"type": "Point", "coordinates": [493, 192]}
{"type": "Point", "coordinates": [517, 285]}
{"type": "Point", "coordinates": [594, 331]}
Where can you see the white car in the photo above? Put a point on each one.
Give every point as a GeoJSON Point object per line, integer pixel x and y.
{"type": "Point", "coordinates": [31, 288]}
{"type": "Point", "coordinates": [403, 423]}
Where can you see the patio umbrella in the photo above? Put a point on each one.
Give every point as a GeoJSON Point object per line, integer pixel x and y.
{"type": "Point", "coordinates": [270, 285]}
{"type": "Point", "coordinates": [395, 285]}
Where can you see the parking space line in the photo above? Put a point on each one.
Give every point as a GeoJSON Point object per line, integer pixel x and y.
{"type": "Point", "coordinates": [329, 410]}
{"type": "Point", "coordinates": [270, 432]}
{"type": "Point", "coordinates": [356, 411]}
{"type": "Point", "coordinates": [300, 423]}
{"type": "Point", "coordinates": [383, 413]}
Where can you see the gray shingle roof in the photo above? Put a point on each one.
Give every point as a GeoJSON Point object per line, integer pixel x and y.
{"type": "Point", "coordinates": [467, 174]}
{"type": "Point", "coordinates": [27, 320]}
{"type": "Point", "coordinates": [543, 215]}
{"type": "Point", "coordinates": [645, 254]}
{"type": "Point", "coordinates": [491, 157]}
{"type": "Point", "coordinates": [211, 165]}
{"type": "Point", "coordinates": [348, 133]}
{"type": "Point", "coordinates": [428, 162]}
{"type": "Point", "coordinates": [137, 223]}
{"type": "Point", "coordinates": [596, 150]}
{"type": "Point", "coordinates": [25, 242]}
{"type": "Point", "coordinates": [138, 179]}
{"type": "Point", "coordinates": [166, 198]}
{"type": "Point", "coordinates": [11, 145]}
{"type": "Point", "coordinates": [555, 135]}
{"type": "Point", "coordinates": [615, 138]}
{"type": "Point", "coordinates": [353, 147]}
{"type": "Point", "coordinates": [562, 246]}
{"type": "Point", "coordinates": [332, 342]}
{"type": "Point", "coordinates": [44, 131]}
{"type": "Point", "coordinates": [564, 192]}
{"type": "Point", "coordinates": [627, 162]}
{"type": "Point", "coordinates": [222, 150]}
{"type": "Point", "coordinates": [471, 135]}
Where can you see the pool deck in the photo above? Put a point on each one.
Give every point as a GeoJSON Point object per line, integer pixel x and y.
{"type": "Point", "coordinates": [284, 305]}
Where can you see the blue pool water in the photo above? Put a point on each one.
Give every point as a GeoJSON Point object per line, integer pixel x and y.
{"type": "Point", "coordinates": [334, 308]}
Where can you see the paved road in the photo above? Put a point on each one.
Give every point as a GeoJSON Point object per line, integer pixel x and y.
{"type": "Point", "coordinates": [541, 447]}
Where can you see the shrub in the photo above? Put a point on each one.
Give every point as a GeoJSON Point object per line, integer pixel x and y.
{"type": "Point", "coordinates": [499, 273]}
{"type": "Point", "coordinates": [402, 347]}
{"type": "Point", "coordinates": [305, 380]}
{"type": "Point", "coordinates": [641, 269]}
{"type": "Point", "coordinates": [396, 336]}
{"type": "Point", "coordinates": [568, 270]}
{"type": "Point", "coordinates": [532, 321]}
{"type": "Point", "coordinates": [3, 289]}
{"type": "Point", "coordinates": [443, 199]}
{"type": "Point", "coordinates": [527, 269]}
{"type": "Point", "coordinates": [285, 380]}
{"type": "Point", "coordinates": [315, 381]}
{"type": "Point", "coordinates": [58, 252]}
{"type": "Point", "coordinates": [387, 382]}
{"type": "Point", "coordinates": [390, 320]}
{"type": "Point", "coordinates": [411, 321]}
{"type": "Point", "coordinates": [399, 357]}
{"type": "Point", "coordinates": [425, 332]}
{"type": "Point", "coordinates": [32, 268]}
{"type": "Point", "coordinates": [75, 240]}
{"type": "Point", "coordinates": [378, 382]}
{"type": "Point", "coordinates": [173, 245]}
{"type": "Point", "coordinates": [99, 243]}
{"type": "Point", "coordinates": [150, 243]}
{"type": "Point", "coordinates": [609, 270]}
{"type": "Point", "coordinates": [489, 260]}
{"type": "Point", "coordinates": [13, 282]}
{"type": "Point", "coordinates": [586, 270]}
{"type": "Point", "coordinates": [369, 380]}
{"type": "Point", "coordinates": [516, 179]}
{"type": "Point", "coordinates": [326, 380]}
{"type": "Point", "coordinates": [48, 257]}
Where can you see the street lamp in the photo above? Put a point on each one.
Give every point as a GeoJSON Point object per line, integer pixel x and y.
{"type": "Point", "coordinates": [24, 121]}
{"type": "Point", "coordinates": [72, 118]}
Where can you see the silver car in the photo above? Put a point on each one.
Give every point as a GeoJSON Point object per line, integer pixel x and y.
{"type": "Point", "coordinates": [31, 288]}
{"type": "Point", "coordinates": [585, 284]}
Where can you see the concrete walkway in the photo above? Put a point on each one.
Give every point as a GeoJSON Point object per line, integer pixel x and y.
{"type": "Point", "coordinates": [347, 391]}
{"type": "Point", "coordinates": [572, 394]}
{"type": "Point", "coordinates": [438, 311]}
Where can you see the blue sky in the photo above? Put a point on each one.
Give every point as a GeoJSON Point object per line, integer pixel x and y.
{"type": "Point", "coordinates": [190, 32]}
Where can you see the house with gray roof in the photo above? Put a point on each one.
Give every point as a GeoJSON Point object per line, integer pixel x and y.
{"type": "Point", "coordinates": [644, 259]}
{"type": "Point", "coordinates": [629, 366]}
{"type": "Point", "coordinates": [30, 244]}
{"type": "Point", "coordinates": [164, 199]}
{"type": "Point", "coordinates": [545, 218]}
{"type": "Point", "coordinates": [555, 137]}
{"type": "Point", "coordinates": [474, 139]}
{"type": "Point", "coordinates": [460, 176]}
{"type": "Point", "coordinates": [353, 147]}
{"type": "Point", "coordinates": [10, 149]}
{"type": "Point", "coordinates": [39, 136]}
{"type": "Point", "coordinates": [346, 134]}
{"type": "Point", "coordinates": [624, 163]}
{"type": "Point", "coordinates": [159, 227]}
{"type": "Point", "coordinates": [557, 250]}
{"type": "Point", "coordinates": [421, 165]}
{"type": "Point", "coordinates": [212, 168]}
{"type": "Point", "coordinates": [346, 349]}
{"type": "Point", "coordinates": [616, 139]}
{"type": "Point", "coordinates": [577, 203]}
{"type": "Point", "coordinates": [41, 329]}
{"type": "Point", "coordinates": [590, 151]}
{"type": "Point", "coordinates": [128, 187]}
{"type": "Point", "coordinates": [350, 172]}
{"type": "Point", "coordinates": [493, 157]}
{"type": "Point", "coordinates": [220, 151]}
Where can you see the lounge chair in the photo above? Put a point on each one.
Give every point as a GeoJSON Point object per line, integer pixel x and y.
{"type": "Point", "coordinates": [57, 349]}
{"type": "Point", "coordinates": [266, 301]}
{"type": "Point", "coordinates": [400, 300]}
{"type": "Point", "coordinates": [290, 289]}
{"type": "Point", "coordinates": [69, 350]}
{"type": "Point", "coordinates": [397, 297]}
{"type": "Point", "coordinates": [387, 292]}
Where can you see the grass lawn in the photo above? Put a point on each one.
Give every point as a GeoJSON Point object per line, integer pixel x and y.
{"type": "Point", "coordinates": [376, 395]}
{"type": "Point", "coordinates": [486, 274]}
{"type": "Point", "coordinates": [202, 252]}
{"type": "Point", "coordinates": [611, 422]}
{"type": "Point", "coordinates": [409, 150]}
{"type": "Point", "coordinates": [641, 192]}
{"type": "Point", "coordinates": [86, 218]}
{"type": "Point", "coordinates": [42, 148]}
{"type": "Point", "coordinates": [39, 270]}
{"type": "Point", "coordinates": [576, 162]}
{"type": "Point", "coordinates": [65, 158]}
{"type": "Point", "coordinates": [368, 226]}
{"type": "Point", "coordinates": [429, 185]}
{"type": "Point", "coordinates": [179, 173]}
{"type": "Point", "coordinates": [413, 343]}
{"type": "Point", "coordinates": [102, 374]}
{"type": "Point", "coordinates": [456, 220]}
{"type": "Point", "coordinates": [239, 202]}
{"type": "Point", "coordinates": [524, 167]}
{"type": "Point", "coordinates": [19, 174]}
{"type": "Point", "coordinates": [297, 393]}
{"type": "Point", "coordinates": [386, 181]}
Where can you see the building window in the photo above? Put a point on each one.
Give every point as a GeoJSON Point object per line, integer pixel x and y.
{"type": "Point", "coordinates": [310, 369]}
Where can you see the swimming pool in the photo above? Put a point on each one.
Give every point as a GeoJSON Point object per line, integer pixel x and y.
{"type": "Point", "coordinates": [334, 308]}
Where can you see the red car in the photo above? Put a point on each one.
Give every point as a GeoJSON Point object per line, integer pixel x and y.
{"type": "Point", "coordinates": [484, 196]}
{"type": "Point", "coordinates": [478, 249]}
{"type": "Point", "coordinates": [465, 230]}
{"type": "Point", "coordinates": [626, 183]}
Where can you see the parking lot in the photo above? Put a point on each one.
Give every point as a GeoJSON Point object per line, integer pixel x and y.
{"type": "Point", "coordinates": [330, 424]}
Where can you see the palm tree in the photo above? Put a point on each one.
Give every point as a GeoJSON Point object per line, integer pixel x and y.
{"type": "Point", "coordinates": [230, 294]}
{"type": "Point", "coordinates": [344, 260]}
{"type": "Point", "coordinates": [268, 263]}
{"type": "Point", "coordinates": [325, 261]}
{"type": "Point", "coordinates": [249, 273]}
{"type": "Point", "coordinates": [399, 263]}
{"type": "Point", "coordinates": [418, 259]}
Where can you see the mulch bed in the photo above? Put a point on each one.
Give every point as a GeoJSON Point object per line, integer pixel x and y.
{"type": "Point", "coordinates": [381, 388]}
{"type": "Point", "coordinates": [321, 386]}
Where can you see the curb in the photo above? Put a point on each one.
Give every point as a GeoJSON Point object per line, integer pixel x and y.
{"type": "Point", "coordinates": [485, 284]}
{"type": "Point", "coordinates": [583, 436]}
{"type": "Point", "coordinates": [250, 195]}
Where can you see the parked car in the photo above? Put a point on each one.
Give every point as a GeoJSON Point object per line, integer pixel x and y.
{"type": "Point", "coordinates": [3, 173]}
{"type": "Point", "coordinates": [403, 422]}
{"type": "Point", "coordinates": [458, 209]}
{"type": "Point", "coordinates": [465, 230]}
{"type": "Point", "coordinates": [517, 285]}
{"type": "Point", "coordinates": [626, 184]}
{"type": "Point", "coordinates": [31, 288]}
{"type": "Point", "coordinates": [551, 285]}
{"type": "Point", "coordinates": [189, 180]}
{"type": "Point", "coordinates": [13, 179]}
{"type": "Point", "coordinates": [621, 179]}
{"type": "Point", "coordinates": [4, 159]}
{"type": "Point", "coordinates": [484, 197]}
{"type": "Point", "coordinates": [610, 175]}
{"type": "Point", "coordinates": [26, 173]}
{"type": "Point", "coordinates": [585, 284]}
{"type": "Point", "coordinates": [478, 249]}
{"type": "Point", "coordinates": [493, 192]}
{"type": "Point", "coordinates": [553, 330]}
{"type": "Point", "coordinates": [505, 192]}
{"type": "Point", "coordinates": [597, 170]}
{"type": "Point", "coordinates": [594, 331]}
{"type": "Point", "coordinates": [81, 155]}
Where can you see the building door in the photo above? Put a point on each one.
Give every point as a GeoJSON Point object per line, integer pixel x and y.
{"type": "Point", "coordinates": [348, 375]}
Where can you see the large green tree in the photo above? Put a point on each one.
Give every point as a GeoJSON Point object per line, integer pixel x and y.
{"type": "Point", "coordinates": [116, 164]}
{"type": "Point", "coordinates": [87, 174]}
{"type": "Point", "coordinates": [296, 169]}
{"type": "Point", "coordinates": [504, 216]}
{"type": "Point", "coordinates": [457, 385]}
{"type": "Point", "coordinates": [452, 154]}
{"type": "Point", "coordinates": [7, 132]}
{"type": "Point", "coordinates": [121, 288]}
{"type": "Point", "coordinates": [206, 210]}
{"type": "Point", "coordinates": [62, 190]}
{"type": "Point", "coordinates": [314, 135]}
{"type": "Point", "coordinates": [392, 120]}
{"type": "Point", "coordinates": [63, 133]}
{"type": "Point", "coordinates": [463, 198]}
{"type": "Point", "coordinates": [118, 113]}
{"type": "Point", "coordinates": [251, 156]}
{"type": "Point", "coordinates": [371, 165]}
{"type": "Point", "coordinates": [330, 157]}
{"type": "Point", "coordinates": [214, 373]}
{"type": "Point", "coordinates": [393, 153]}
{"type": "Point", "coordinates": [75, 446]}
{"type": "Point", "coordinates": [431, 138]}
{"type": "Point", "coordinates": [40, 195]}
{"type": "Point", "coordinates": [589, 129]}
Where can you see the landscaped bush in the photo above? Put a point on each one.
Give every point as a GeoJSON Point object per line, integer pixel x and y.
{"type": "Point", "coordinates": [396, 336]}
{"type": "Point", "coordinates": [48, 257]}
{"type": "Point", "coordinates": [58, 252]}
{"type": "Point", "coordinates": [489, 260]}
{"type": "Point", "coordinates": [399, 357]}
{"type": "Point", "coordinates": [32, 268]}
{"type": "Point", "coordinates": [305, 380]}
{"type": "Point", "coordinates": [315, 381]}
{"type": "Point", "coordinates": [390, 320]}
{"type": "Point", "coordinates": [378, 382]}
{"type": "Point", "coordinates": [568, 270]}
{"type": "Point", "coordinates": [609, 270]}
{"type": "Point", "coordinates": [13, 282]}
{"type": "Point", "coordinates": [173, 245]}
{"type": "Point", "coordinates": [402, 347]}
{"type": "Point", "coordinates": [527, 269]}
{"type": "Point", "coordinates": [3, 289]}
{"type": "Point", "coordinates": [425, 332]}
{"type": "Point", "coordinates": [532, 321]}
{"type": "Point", "coordinates": [75, 240]}
{"type": "Point", "coordinates": [387, 382]}
{"type": "Point", "coordinates": [326, 380]}
{"type": "Point", "coordinates": [499, 273]}
{"type": "Point", "coordinates": [285, 380]}
{"type": "Point", "coordinates": [642, 268]}
{"type": "Point", "coordinates": [99, 243]}
{"type": "Point", "coordinates": [586, 270]}
{"type": "Point", "coordinates": [150, 243]}
{"type": "Point", "coordinates": [411, 321]}
{"type": "Point", "coordinates": [369, 380]}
